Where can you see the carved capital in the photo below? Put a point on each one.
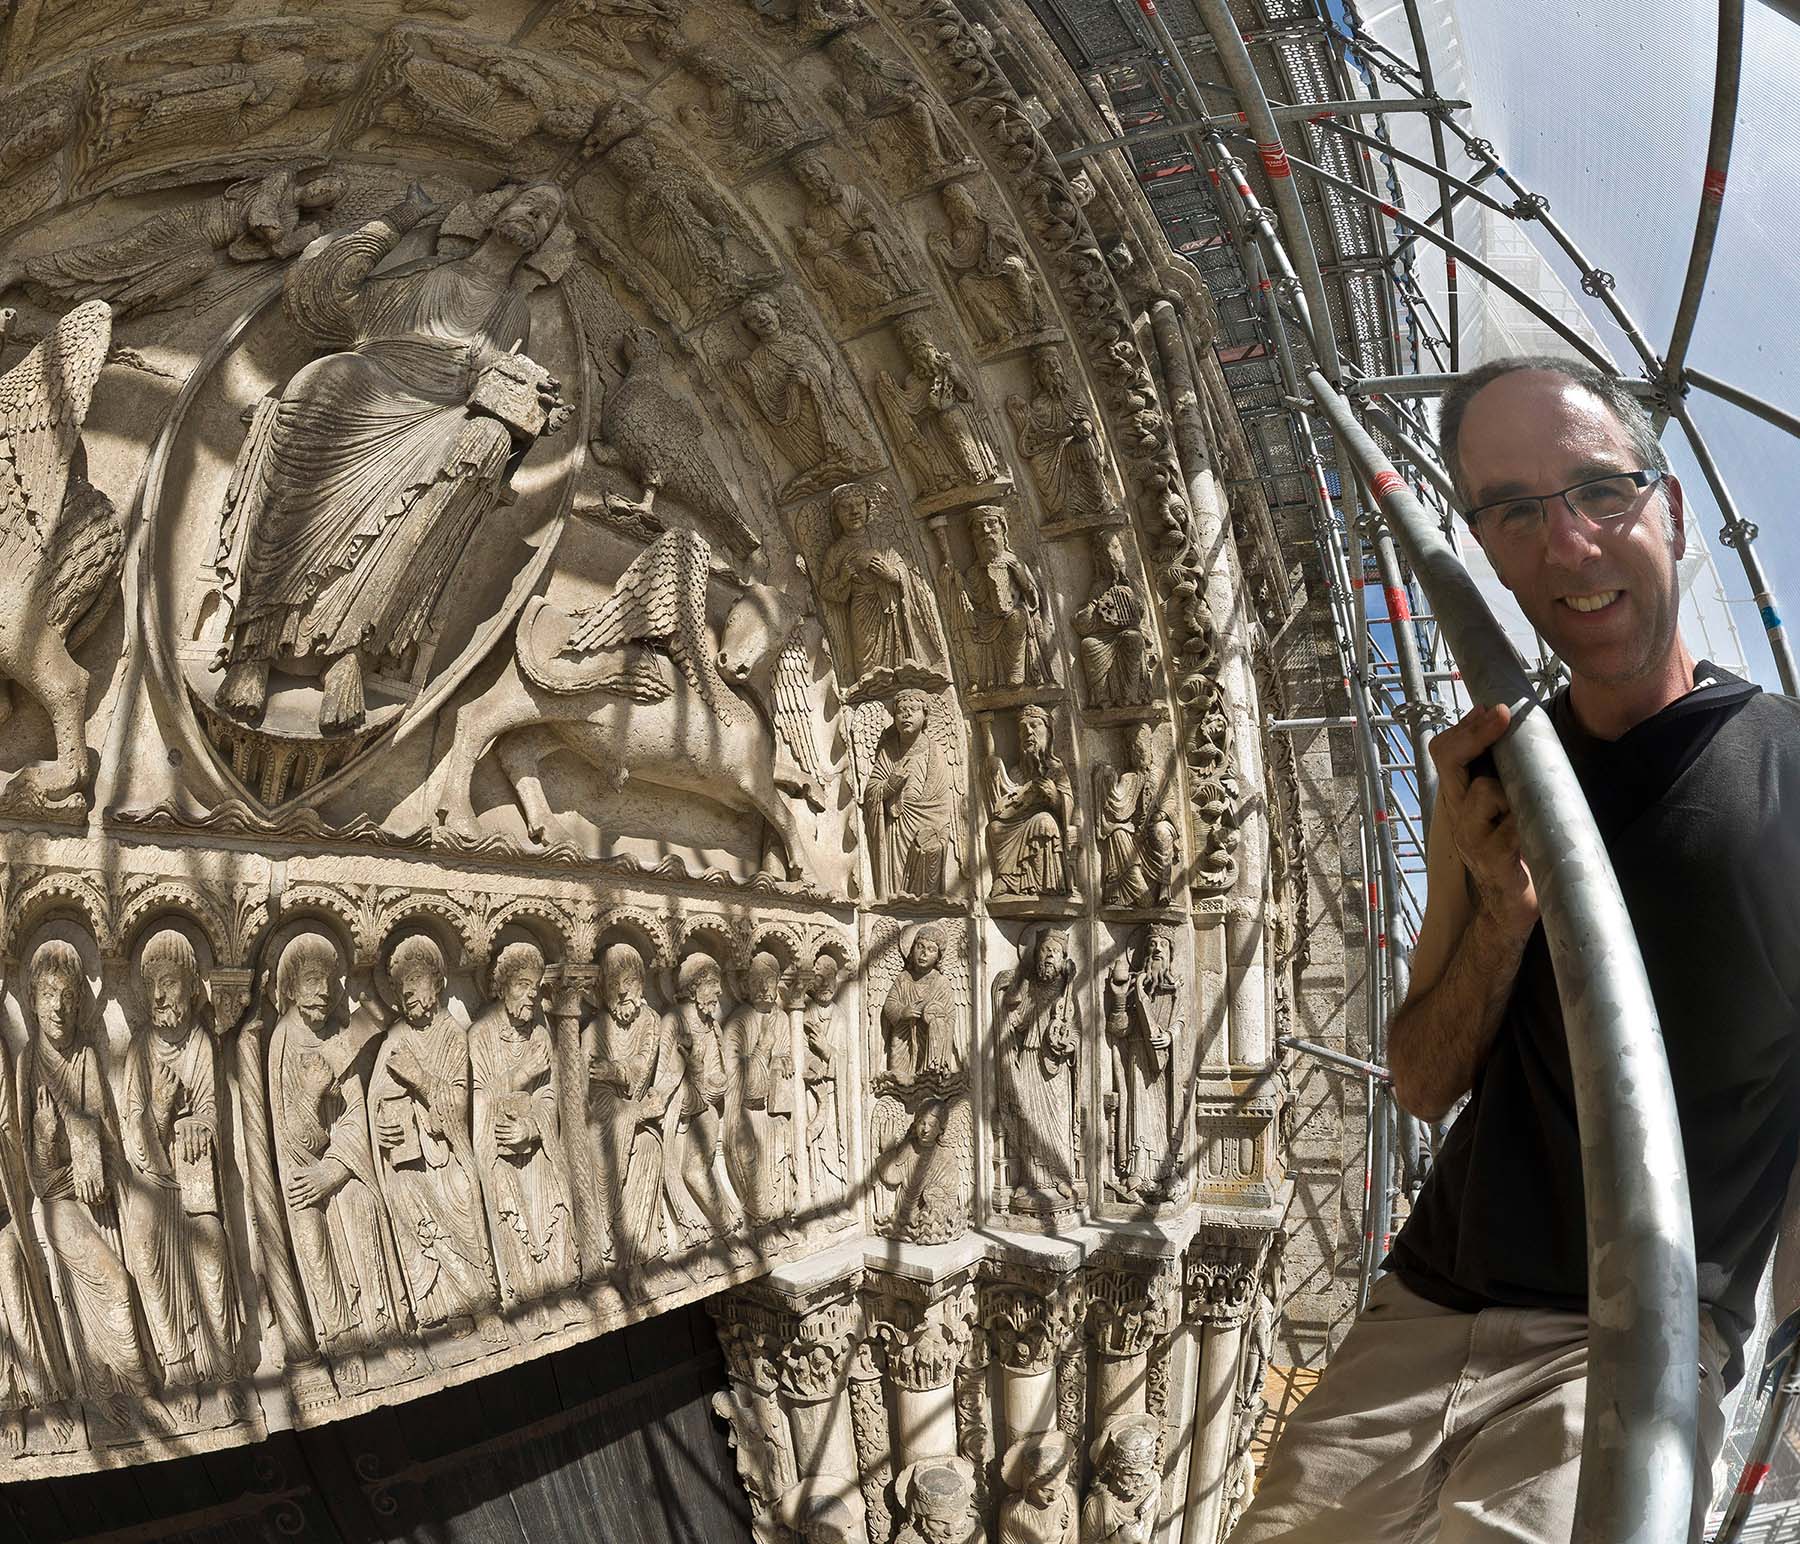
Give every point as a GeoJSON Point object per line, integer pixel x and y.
{"type": "Point", "coordinates": [1131, 1303]}
{"type": "Point", "coordinates": [1029, 1316]}
{"type": "Point", "coordinates": [924, 1339]}
{"type": "Point", "coordinates": [1220, 1282]}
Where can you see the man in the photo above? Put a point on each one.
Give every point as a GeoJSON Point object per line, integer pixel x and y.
{"type": "Point", "coordinates": [1453, 1410]}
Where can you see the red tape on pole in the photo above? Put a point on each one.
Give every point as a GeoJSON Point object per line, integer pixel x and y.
{"type": "Point", "coordinates": [1274, 159]}
{"type": "Point", "coordinates": [1399, 608]}
{"type": "Point", "coordinates": [1385, 482]}
{"type": "Point", "coordinates": [1712, 189]}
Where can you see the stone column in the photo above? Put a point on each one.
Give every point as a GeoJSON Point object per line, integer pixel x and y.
{"type": "Point", "coordinates": [1221, 1273]}
{"type": "Point", "coordinates": [819, 1331]}
{"type": "Point", "coordinates": [1030, 1315]}
{"type": "Point", "coordinates": [749, 1333]}
{"type": "Point", "coordinates": [924, 1329]}
{"type": "Point", "coordinates": [1132, 1304]}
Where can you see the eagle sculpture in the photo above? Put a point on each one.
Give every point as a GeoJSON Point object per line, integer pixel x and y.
{"type": "Point", "coordinates": [61, 542]}
{"type": "Point", "coordinates": [648, 432]}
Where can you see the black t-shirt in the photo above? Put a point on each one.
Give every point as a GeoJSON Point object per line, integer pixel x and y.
{"type": "Point", "coordinates": [1699, 808]}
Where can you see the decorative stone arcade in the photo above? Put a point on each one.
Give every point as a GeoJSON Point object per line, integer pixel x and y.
{"type": "Point", "coordinates": [619, 695]}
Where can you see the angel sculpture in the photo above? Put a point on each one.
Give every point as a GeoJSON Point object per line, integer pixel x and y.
{"type": "Point", "coordinates": [631, 686]}
{"type": "Point", "coordinates": [61, 541]}
{"type": "Point", "coordinates": [925, 1175]}
{"type": "Point", "coordinates": [648, 431]}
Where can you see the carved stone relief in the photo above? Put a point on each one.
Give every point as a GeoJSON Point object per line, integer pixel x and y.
{"type": "Point", "coordinates": [578, 533]}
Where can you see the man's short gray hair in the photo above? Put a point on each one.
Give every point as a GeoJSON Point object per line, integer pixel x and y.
{"type": "Point", "coordinates": [1610, 389]}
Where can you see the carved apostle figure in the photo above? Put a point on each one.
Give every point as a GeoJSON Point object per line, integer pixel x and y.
{"type": "Point", "coordinates": [759, 1098]}
{"type": "Point", "coordinates": [76, 1170]}
{"type": "Point", "coordinates": [937, 428]}
{"type": "Point", "coordinates": [921, 1028]}
{"type": "Point", "coordinates": [633, 1072]}
{"type": "Point", "coordinates": [827, 1068]}
{"type": "Point", "coordinates": [1139, 846]}
{"type": "Point", "coordinates": [1056, 431]}
{"type": "Point", "coordinates": [937, 1496]}
{"type": "Point", "coordinates": [703, 1207]}
{"type": "Point", "coordinates": [1123, 1500]}
{"type": "Point", "coordinates": [1005, 610]}
{"type": "Point", "coordinates": [33, 1363]}
{"type": "Point", "coordinates": [1031, 826]}
{"type": "Point", "coordinates": [887, 606]}
{"type": "Point", "coordinates": [168, 254]}
{"type": "Point", "coordinates": [991, 268]}
{"type": "Point", "coordinates": [1040, 1507]}
{"type": "Point", "coordinates": [910, 803]}
{"type": "Point", "coordinates": [319, 1110]}
{"type": "Point", "coordinates": [1145, 1018]}
{"type": "Point", "coordinates": [518, 1135]}
{"type": "Point", "coordinates": [1117, 654]}
{"type": "Point", "coordinates": [175, 1242]}
{"type": "Point", "coordinates": [842, 242]}
{"type": "Point", "coordinates": [795, 388]}
{"type": "Point", "coordinates": [419, 1107]}
{"type": "Point", "coordinates": [359, 486]}
{"type": "Point", "coordinates": [1038, 1037]}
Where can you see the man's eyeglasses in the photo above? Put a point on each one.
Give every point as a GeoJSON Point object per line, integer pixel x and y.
{"type": "Point", "coordinates": [1600, 499]}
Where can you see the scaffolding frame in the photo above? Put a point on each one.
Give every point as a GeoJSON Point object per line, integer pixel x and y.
{"type": "Point", "coordinates": [1298, 334]}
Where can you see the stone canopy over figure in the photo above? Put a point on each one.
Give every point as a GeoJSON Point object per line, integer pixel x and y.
{"type": "Point", "coordinates": [361, 482]}
{"type": "Point", "coordinates": [911, 802]}
{"type": "Point", "coordinates": [175, 1242]}
{"type": "Point", "coordinates": [419, 1110]}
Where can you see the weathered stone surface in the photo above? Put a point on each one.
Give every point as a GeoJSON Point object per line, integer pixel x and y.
{"type": "Point", "coordinates": [630, 708]}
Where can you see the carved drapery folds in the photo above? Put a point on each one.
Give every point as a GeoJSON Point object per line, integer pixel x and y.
{"type": "Point", "coordinates": [661, 520]}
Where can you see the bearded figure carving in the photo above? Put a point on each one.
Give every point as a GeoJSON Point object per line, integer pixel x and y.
{"type": "Point", "coordinates": [361, 482]}
{"type": "Point", "coordinates": [175, 1240]}
{"type": "Point", "coordinates": [1145, 1018]}
{"type": "Point", "coordinates": [759, 1099]}
{"type": "Point", "coordinates": [518, 1135]}
{"type": "Point", "coordinates": [1039, 1039]}
{"type": "Point", "coordinates": [319, 1106]}
{"type": "Point", "coordinates": [419, 1095]}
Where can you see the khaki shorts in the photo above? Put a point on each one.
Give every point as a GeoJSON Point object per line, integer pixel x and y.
{"type": "Point", "coordinates": [1431, 1426]}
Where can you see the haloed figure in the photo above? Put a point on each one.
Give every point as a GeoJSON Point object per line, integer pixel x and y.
{"type": "Point", "coordinates": [175, 1240]}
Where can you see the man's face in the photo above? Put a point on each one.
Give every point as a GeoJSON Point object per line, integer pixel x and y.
{"type": "Point", "coordinates": [53, 998]}
{"type": "Point", "coordinates": [1532, 432]}
{"type": "Point", "coordinates": [990, 538]}
{"type": "Point", "coordinates": [170, 991]}
{"type": "Point", "coordinates": [312, 994]}
{"type": "Point", "coordinates": [1157, 958]}
{"type": "Point", "coordinates": [765, 990]}
{"type": "Point", "coordinates": [520, 996]}
{"type": "Point", "coordinates": [1050, 958]}
{"type": "Point", "coordinates": [419, 992]}
{"type": "Point", "coordinates": [1032, 738]}
{"type": "Point", "coordinates": [624, 996]}
{"type": "Point", "coordinates": [824, 982]}
{"type": "Point", "coordinates": [706, 1000]}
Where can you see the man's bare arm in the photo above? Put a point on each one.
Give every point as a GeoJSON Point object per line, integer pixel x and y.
{"type": "Point", "coordinates": [1479, 912]}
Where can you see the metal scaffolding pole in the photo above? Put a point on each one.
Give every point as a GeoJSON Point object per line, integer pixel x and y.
{"type": "Point", "coordinates": [1727, 76]}
{"type": "Point", "coordinates": [1637, 1471]}
{"type": "Point", "coordinates": [1776, 1416]}
{"type": "Point", "coordinates": [1738, 397]}
{"type": "Point", "coordinates": [1307, 112]}
{"type": "Point", "coordinates": [1297, 234]}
